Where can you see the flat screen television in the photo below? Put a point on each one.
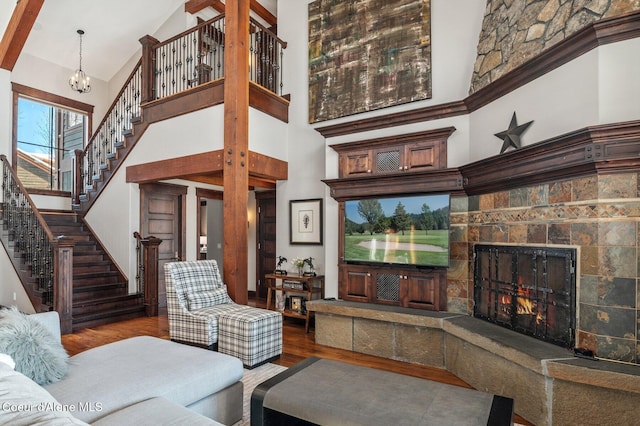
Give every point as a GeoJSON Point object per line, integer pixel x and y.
{"type": "Point", "coordinates": [405, 230]}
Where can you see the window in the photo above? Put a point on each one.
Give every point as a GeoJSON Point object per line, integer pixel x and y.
{"type": "Point", "coordinates": [48, 129]}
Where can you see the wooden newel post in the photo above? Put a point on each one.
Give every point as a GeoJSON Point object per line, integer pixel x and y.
{"type": "Point", "coordinates": [78, 180]}
{"type": "Point", "coordinates": [148, 65]}
{"type": "Point", "coordinates": [63, 282]}
{"type": "Point", "coordinates": [150, 262]}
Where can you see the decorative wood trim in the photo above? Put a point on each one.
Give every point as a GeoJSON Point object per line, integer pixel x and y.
{"type": "Point", "coordinates": [268, 102]}
{"type": "Point", "coordinates": [438, 134]}
{"type": "Point", "coordinates": [611, 148]}
{"type": "Point", "coordinates": [419, 115]}
{"type": "Point", "coordinates": [438, 181]}
{"type": "Point", "coordinates": [602, 32]}
{"type": "Point", "coordinates": [212, 94]}
{"type": "Point", "coordinates": [598, 33]}
{"type": "Point", "coordinates": [263, 166]}
{"type": "Point", "coordinates": [200, 97]}
{"type": "Point", "coordinates": [179, 167]}
{"type": "Point", "coordinates": [41, 95]}
{"type": "Point", "coordinates": [603, 149]}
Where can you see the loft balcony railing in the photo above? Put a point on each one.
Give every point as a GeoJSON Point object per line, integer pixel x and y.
{"type": "Point", "coordinates": [185, 61]}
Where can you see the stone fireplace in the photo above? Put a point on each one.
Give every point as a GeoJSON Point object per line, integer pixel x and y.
{"type": "Point", "coordinates": [580, 190]}
{"type": "Point", "coordinates": [528, 289]}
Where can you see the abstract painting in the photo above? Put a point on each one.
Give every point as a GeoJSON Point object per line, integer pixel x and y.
{"type": "Point", "coordinates": [366, 55]}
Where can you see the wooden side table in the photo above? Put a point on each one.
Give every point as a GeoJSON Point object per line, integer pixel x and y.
{"type": "Point", "coordinates": [295, 284]}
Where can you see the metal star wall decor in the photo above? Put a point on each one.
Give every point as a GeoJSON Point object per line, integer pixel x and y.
{"type": "Point", "coordinates": [511, 136]}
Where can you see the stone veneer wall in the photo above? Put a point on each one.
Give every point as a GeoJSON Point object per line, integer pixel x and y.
{"type": "Point", "coordinates": [514, 31]}
{"type": "Point", "coordinates": [598, 215]}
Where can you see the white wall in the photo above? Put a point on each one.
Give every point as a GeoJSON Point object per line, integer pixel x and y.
{"type": "Point", "coordinates": [29, 72]}
{"type": "Point", "coordinates": [596, 88]}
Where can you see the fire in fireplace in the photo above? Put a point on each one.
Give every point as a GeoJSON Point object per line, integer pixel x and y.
{"type": "Point", "coordinates": [528, 289]}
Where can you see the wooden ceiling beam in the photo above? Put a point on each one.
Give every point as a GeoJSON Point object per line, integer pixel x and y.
{"type": "Point", "coordinates": [22, 20]}
{"type": "Point", "coordinates": [262, 12]}
{"type": "Point", "coordinates": [264, 171]}
{"type": "Point", "coordinates": [195, 6]}
{"type": "Point", "coordinates": [175, 168]}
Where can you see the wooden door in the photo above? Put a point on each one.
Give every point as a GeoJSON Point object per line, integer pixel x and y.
{"type": "Point", "coordinates": [266, 239]}
{"type": "Point", "coordinates": [162, 212]}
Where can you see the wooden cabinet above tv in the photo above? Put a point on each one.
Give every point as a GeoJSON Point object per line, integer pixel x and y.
{"type": "Point", "coordinates": [414, 152]}
{"type": "Point", "coordinates": [387, 167]}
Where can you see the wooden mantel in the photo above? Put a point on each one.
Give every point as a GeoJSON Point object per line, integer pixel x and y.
{"type": "Point", "coordinates": [610, 148]}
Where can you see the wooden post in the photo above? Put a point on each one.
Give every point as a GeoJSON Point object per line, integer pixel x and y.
{"type": "Point", "coordinates": [78, 180]}
{"type": "Point", "coordinates": [148, 65]}
{"type": "Point", "coordinates": [63, 282]}
{"type": "Point", "coordinates": [236, 149]}
{"type": "Point", "coordinates": [150, 262]}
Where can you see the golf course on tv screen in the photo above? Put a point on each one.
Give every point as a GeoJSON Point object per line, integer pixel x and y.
{"type": "Point", "coordinates": [408, 230]}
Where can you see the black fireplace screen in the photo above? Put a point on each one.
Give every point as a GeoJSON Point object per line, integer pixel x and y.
{"type": "Point", "coordinates": [528, 289]}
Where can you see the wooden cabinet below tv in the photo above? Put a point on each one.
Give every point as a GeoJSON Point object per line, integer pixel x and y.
{"type": "Point", "coordinates": [394, 285]}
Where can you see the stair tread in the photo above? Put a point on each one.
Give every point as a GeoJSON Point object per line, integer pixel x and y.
{"type": "Point", "coordinates": [108, 299]}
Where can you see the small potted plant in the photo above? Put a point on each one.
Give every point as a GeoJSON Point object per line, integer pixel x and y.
{"type": "Point", "coordinates": [299, 263]}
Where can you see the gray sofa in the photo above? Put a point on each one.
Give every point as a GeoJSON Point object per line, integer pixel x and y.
{"type": "Point", "coordinates": [141, 380]}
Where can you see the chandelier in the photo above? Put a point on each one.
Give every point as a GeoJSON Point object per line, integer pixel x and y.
{"type": "Point", "coordinates": [79, 80]}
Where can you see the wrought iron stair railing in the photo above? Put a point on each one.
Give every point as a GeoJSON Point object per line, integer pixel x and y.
{"type": "Point", "coordinates": [25, 229]}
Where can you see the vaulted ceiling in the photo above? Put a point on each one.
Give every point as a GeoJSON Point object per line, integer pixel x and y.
{"type": "Point", "coordinates": [112, 29]}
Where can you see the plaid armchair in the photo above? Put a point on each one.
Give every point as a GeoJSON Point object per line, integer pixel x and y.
{"type": "Point", "coordinates": [196, 296]}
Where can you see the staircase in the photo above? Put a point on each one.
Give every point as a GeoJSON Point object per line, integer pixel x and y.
{"type": "Point", "coordinates": [100, 290]}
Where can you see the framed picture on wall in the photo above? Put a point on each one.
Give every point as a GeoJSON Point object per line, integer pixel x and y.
{"type": "Point", "coordinates": [305, 217]}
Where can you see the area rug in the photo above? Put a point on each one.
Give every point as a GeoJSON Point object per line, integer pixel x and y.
{"type": "Point", "coordinates": [251, 379]}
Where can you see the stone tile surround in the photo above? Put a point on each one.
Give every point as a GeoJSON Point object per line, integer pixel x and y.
{"type": "Point", "coordinates": [596, 214]}
{"type": "Point", "coordinates": [548, 384]}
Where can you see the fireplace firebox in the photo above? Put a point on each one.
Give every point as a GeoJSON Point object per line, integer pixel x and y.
{"type": "Point", "coordinates": [528, 289]}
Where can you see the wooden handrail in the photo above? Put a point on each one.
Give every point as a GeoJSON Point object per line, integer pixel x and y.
{"type": "Point", "coordinates": [189, 31]}
{"type": "Point", "coordinates": [115, 101]}
{"type": "Point", "coordinates": [268, 31]}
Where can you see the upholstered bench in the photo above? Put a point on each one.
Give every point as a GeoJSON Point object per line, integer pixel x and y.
{"type": "Point", "coordinates": [252, 335]}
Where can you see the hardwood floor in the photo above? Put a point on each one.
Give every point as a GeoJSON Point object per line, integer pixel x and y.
{"type": "Point", "coordinates": [297, 345]}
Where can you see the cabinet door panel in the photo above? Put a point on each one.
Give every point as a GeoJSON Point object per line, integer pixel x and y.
{"type": "Point", "coordinates": [355, 164]}
{"type": "Point", "coordinates": [421, 291]}
{"type": "Point", "coordinates": [357, 285]}
{"type": "Point", "coordinates": [421, 157]}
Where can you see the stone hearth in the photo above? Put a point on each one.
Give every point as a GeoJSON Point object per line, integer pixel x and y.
{"type": "Point", "coordinates": [548, 384]}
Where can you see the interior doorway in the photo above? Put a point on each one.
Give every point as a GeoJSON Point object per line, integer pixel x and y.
{"type": "Point", "coordinates": [210, 226]}
{"type": "Point", "coordinates": [162, 212]}
{"type": "Point", "coordinates": [266, 239]}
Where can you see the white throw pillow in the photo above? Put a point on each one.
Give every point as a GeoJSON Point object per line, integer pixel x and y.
{"type": "Point", "coordinates": [24, 403]}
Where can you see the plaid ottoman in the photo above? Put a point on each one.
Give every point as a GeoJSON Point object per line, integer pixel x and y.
{"type": "Point", "coordinates": [253, 335]}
